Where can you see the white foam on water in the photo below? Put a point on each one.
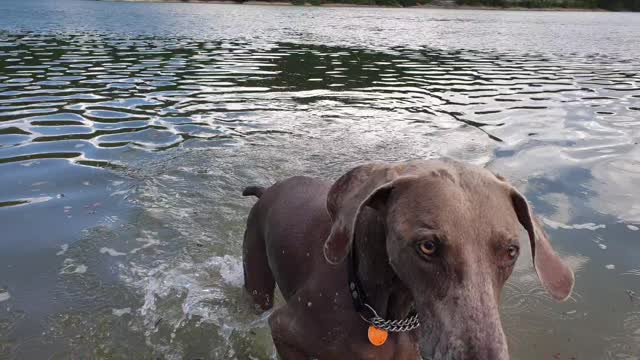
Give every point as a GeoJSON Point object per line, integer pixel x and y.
{"type": "Point", "coordinates": [585, 226]}
{"type": "Point", "coordinates": [119, 192]}
{"type": "Point", "coordinates": [150, 239]}
{"type": "Point", "coordinates": [4, 296]}
{"type": "Point", "coordinates": [81, 269]}
{"type": "Point", "coordinates": [230, 269]}
{"type": "Point", "coordinates": [207, 292]}
{"type": "Point", "coordinates": [111, 252]}
{"type": "Point", "coordinates": [633, 227]}
{"type": "Point", "coordinates": [63, 249]}
{"type": "Point", "coordinates": [120, 312]}
{"type": "Point", "coordinates": [610, 267]}
{"type": "Point", "coordinates": [69, 267]}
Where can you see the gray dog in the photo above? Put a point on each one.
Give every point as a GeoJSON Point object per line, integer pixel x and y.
{"type": "Point", "coordinates": [392, 261]}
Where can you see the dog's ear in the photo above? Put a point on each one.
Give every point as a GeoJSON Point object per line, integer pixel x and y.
{"type": "Point", "coordinates": [348, 195]}
{"type": "Point", "coordinates": [556, 277]}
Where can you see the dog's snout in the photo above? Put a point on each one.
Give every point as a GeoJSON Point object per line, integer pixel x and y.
{"type": "Point", "coordinates": [490, 345]}
{"type": "Point", "coordinates": [470, 344]}
{"type": "Point", "coordinates": [469, 326]}
{"type": "Point", "coordinates": [481, 332]}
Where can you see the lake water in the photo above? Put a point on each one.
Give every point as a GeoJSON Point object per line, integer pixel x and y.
{"type": "Point", "coordinates": [127, 131]}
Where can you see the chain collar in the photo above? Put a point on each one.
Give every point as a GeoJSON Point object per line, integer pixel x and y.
{"type": "Point", "coordinates": [359, 298]}
{"type": "Point", "coordinates": [407, 324]}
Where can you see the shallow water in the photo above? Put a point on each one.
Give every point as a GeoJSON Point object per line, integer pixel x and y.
{"type": "Point", "coordinates": [128, 130]}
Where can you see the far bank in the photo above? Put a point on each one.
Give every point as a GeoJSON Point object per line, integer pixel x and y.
{"type": "Point", "coordinates": [510, 5]}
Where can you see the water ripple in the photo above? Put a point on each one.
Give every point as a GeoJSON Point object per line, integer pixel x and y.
{"type": "Point", "coordinates": [201, 85]}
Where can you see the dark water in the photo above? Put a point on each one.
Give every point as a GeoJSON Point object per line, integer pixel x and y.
{"type": "Point", "coordinates": [128, 129]}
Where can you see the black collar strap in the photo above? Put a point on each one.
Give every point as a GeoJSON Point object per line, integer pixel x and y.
{"type": "Point", "coordinates": [359, 298]}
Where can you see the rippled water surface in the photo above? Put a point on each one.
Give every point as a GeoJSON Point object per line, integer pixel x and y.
{"type": "Point", "coordinates": [128, 129]}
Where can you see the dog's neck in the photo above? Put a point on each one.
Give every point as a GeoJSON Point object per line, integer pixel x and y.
{"type": "Point", "coordinates": [389, 297]}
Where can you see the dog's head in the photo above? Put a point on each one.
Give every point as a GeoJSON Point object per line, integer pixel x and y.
{"type": "Point", "coordinates": [452, 238]}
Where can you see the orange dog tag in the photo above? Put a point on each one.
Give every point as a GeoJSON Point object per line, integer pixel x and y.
{"type": "Point", "coordinates": [377, 337]}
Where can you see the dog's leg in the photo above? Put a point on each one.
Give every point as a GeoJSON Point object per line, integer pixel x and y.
{"type": "Point", "coordinates": [283, 332]}
{"type": "Point", "coordinates": [258, 278]}
{"type": "Point", "coordinates": [287, 352]}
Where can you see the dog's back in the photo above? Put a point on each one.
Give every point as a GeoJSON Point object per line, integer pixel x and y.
{"type": "Point", "coordinates": [285, 232]}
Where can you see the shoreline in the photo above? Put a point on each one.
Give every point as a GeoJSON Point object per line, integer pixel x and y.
{"type": "Point", "coordinates": [338, 5]}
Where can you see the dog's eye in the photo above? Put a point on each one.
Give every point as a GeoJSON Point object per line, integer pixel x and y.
{"type": "Point", "coordinates": [513, 251]}
{"type": "Point", "coordinates": [428, 247]}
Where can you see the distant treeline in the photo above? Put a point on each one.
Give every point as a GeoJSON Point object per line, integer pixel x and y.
{"type": "Point", "coordinates": [405, 3]}
{"type": "Point", "coordinates": [616, 5]}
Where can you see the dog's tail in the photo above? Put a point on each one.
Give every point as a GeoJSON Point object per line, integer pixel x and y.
{"type": "Point", "coordinates": [256, 191]}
